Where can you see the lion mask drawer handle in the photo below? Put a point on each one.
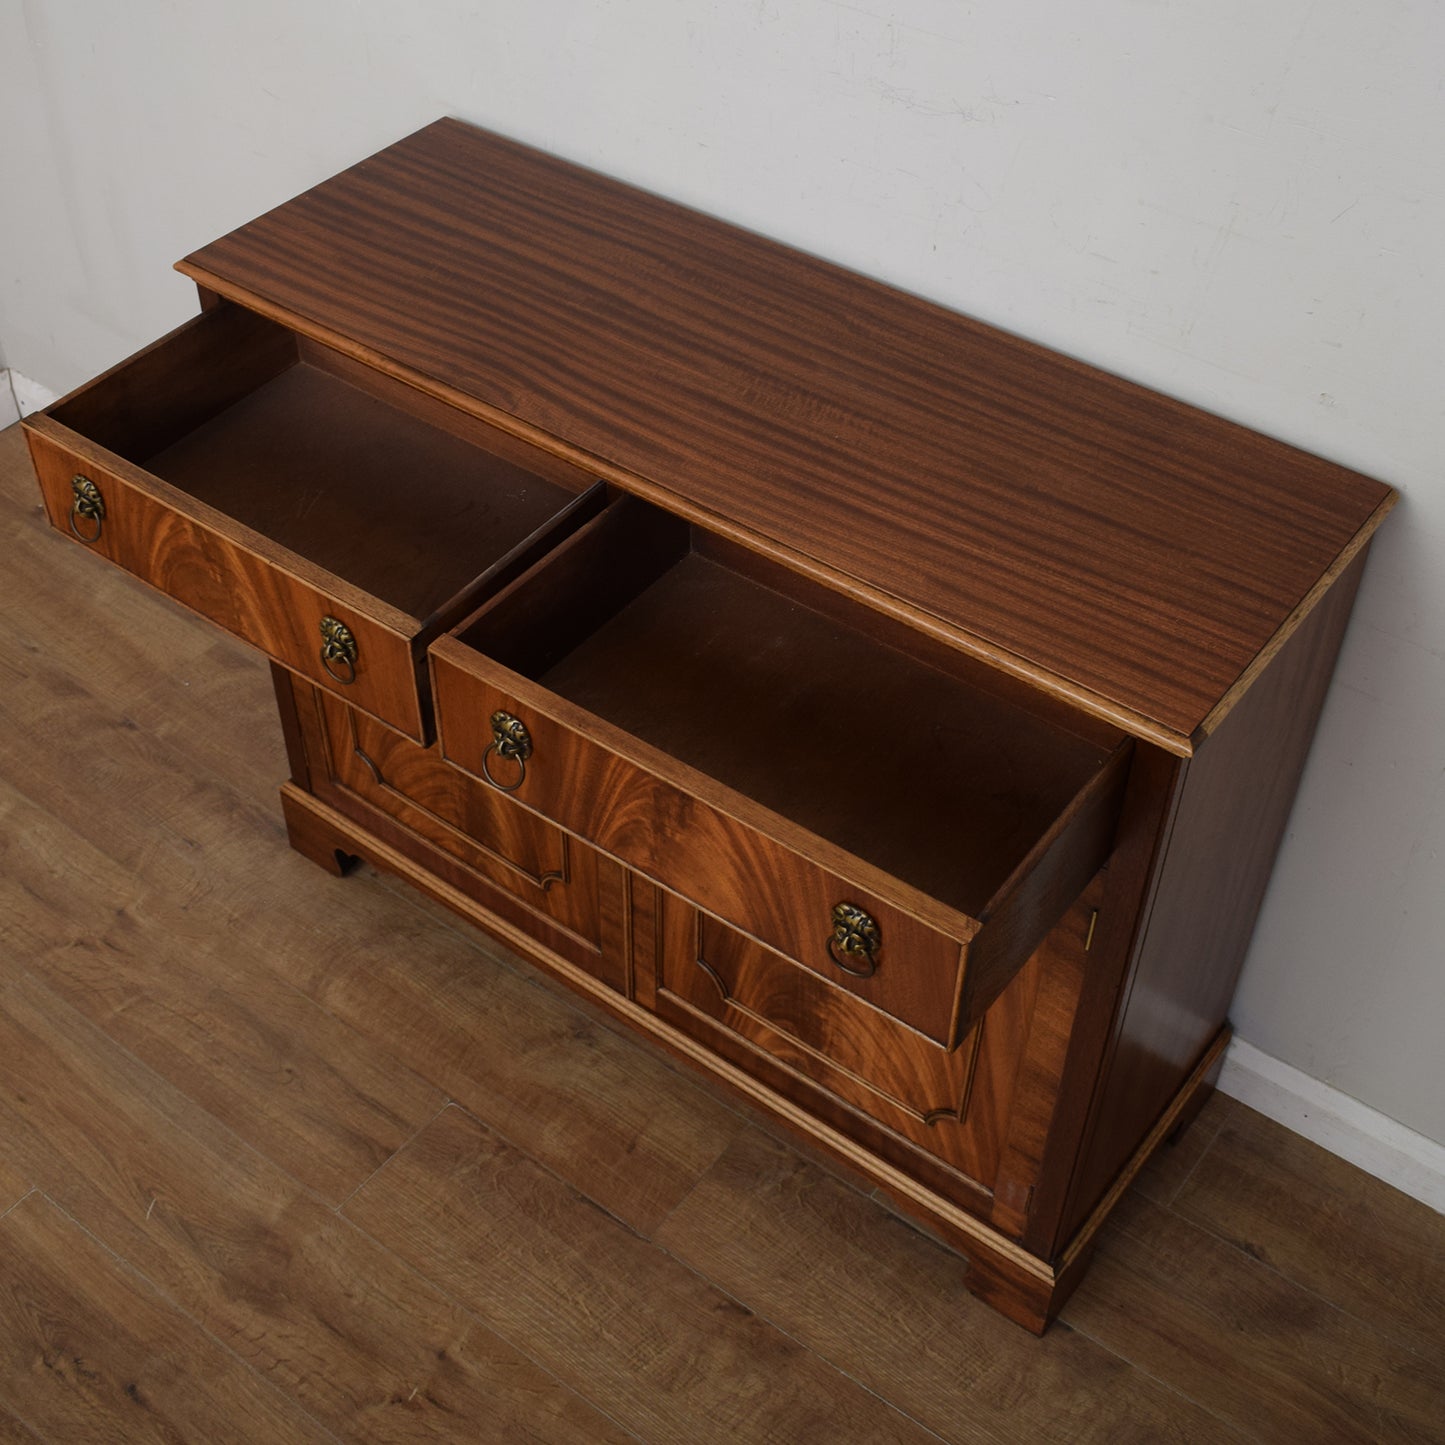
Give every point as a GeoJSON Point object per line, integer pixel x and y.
{"type": "Point", "coordinates": [86, 505]}
{"type": "Point", "coordinates": [338, 650]}
{"type": "Point", "coordinates": [855, 940]}
{"type": "Point", "coordinates": [512, 741]}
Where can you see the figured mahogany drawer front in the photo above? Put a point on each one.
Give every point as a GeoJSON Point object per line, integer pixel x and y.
{"type": "Point", "coordinates": [153, 538]}
{"type": "Point", "coordinates": [816, 1028]}
{"type": "Point", "coordinates": [854, 798]}
{"type": "Point", "coordinates": [485, 832]}
{"type": "Point", "coordinates": [320, 512]}
{"type": "Point", "coordinates": [695, 849]}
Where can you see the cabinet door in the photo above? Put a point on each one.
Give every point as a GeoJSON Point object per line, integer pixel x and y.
{"type": "Point", "coordinates": [554, 887]}
{"type": "Point", "coordinates": [824, 1047]}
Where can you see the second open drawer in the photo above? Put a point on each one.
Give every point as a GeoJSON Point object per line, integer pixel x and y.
{"type": "Point", "coordinates": [866, 801]}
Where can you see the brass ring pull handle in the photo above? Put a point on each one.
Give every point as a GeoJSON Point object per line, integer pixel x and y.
{"type": "Point", "coordinates": [855, 940]}
{"type": "Point", "coordinates": [87, 504]}
{"type": "Point", "coordinates": [510, 740]}
{"type": "Point", "coordinates": [338, 650]}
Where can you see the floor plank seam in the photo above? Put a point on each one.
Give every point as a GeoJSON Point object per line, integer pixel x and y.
{"type": "Point", "coordinates": [787, 1334]}
{"type": "Point", "coordinates": [164, 1085]}
{"type": "Point", "coordinates": [395, 1153]}
{"type": "Point", "coordinates": [642, 1238]}
{"type": "Point", "coordinates": [8, 1409]}
{"type": "Point", "coordinates": [1179, 1188]}
{"type": "Point", "coordinates": [17, 1203]}
{"type": "Point", "coordinates": [1238, 1431]}
{"type": "Point", "coordinates": [137, 1273]}
{"type": "Point", "coordinates": [534, 976]}
{"type": "Point", "coordinates": [1373, 1326]}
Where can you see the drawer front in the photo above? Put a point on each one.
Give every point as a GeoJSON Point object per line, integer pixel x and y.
{"type": "Point", "coordinates": [489, 835]}
{"type": "Point", "coordinates": [694, 848]}
{"type": "Point", "coordinates": [712, 978]}
{"type": "Point", "coordinates": [821, 1030]}
{"type": "Point", "coordinates": [165, 539]}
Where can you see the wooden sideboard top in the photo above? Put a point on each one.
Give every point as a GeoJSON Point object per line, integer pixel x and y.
{"type": "Point", "coordinates": [1113, 544]}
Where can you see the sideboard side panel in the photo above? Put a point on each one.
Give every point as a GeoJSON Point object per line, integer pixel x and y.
{"type": "Point", "coordinates": [1230, 821]}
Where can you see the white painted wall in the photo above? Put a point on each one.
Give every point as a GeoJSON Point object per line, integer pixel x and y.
{"type": "Point", "coordinates": [1238, 203]}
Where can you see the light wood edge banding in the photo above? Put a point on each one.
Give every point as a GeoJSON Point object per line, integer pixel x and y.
{"type": "Point", "coordinates": [1291, 624]}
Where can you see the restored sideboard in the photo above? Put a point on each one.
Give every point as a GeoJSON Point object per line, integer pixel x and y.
{"type": "Point", "coordinates": [890, 717]}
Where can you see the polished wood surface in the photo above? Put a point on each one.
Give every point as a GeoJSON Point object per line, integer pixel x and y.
{"type": "Point", "coordinates": [231, 577]}
{"type": "Point", "coordinates": [486, 832]}
{"type": "Point", "coordinates": [1205, 898]}
{"type": "Point", "coordinates": [694, 715]}
{"type": "Point", "coordinates": [901, 1078]}
{"type": "Point", "coordinates": [1110, 541]}
{"type": "Point", "coordinates": [187, 1169]}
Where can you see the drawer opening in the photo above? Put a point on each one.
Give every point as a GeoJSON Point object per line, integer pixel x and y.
{"type": "Point", "coordinates": [359, 474]}
{"type": "Point", "coordinates": [895, 748]}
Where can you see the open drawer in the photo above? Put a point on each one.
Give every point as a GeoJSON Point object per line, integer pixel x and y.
{"type": "Point", "coordinates": [859, 798]}
{"type": "Point", "coordinates": [333, 517]}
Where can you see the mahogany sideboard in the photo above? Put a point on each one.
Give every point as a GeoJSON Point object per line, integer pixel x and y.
{"type": "Point", "coordinates": [892, 718]}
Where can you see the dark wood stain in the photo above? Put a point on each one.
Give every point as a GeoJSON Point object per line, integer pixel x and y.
{"type": "Point", "coordinates": [907, 447]}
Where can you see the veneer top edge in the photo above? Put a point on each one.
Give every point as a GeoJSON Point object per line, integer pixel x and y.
{"type": "Point", "coordinates": [1121, 548]}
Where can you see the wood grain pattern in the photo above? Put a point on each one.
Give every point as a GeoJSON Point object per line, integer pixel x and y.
{"type": "Point", "coordinates": [486, 831]}
{"type": "Point", "coordinates": [205, 565]}
{"type": "Point", "coordinates": [1373, 1252]}
{"type": "Point", "coordinates": [16, 1432]}
{"type": "Point", "coordinates": [679, 839]}
{"type": "Point", "coordinates": [900, 1077]}
{"type": "Point", "coordinates": [209, 1015]}
{"type": "Point", "coordinates": [1240, 786]}
{"type": "Point", "coordinates": [319, 1310]}
{"type": "Point", "coordinates": [961, 473]}
{"type": "Point", "coordinates": [14, 1185]}
{"type": "Point", "coordinates": [885, 1304]}
{"type": "Point", "coordinates": [1228, 1329]}
{"type": "Point", "coordinates": [1032, 1104]}
{"type": "Point", "coordinates": [94, 1353]}
{"type": "Point", "coordinates": [533, 1259]}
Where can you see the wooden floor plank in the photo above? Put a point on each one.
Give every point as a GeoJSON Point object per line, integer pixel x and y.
{"type": "Point", "coordinates": [667, 1353]}
{"type": "Point", "coordinates": [1324, 1224]}
{"type": "Point", "coordinates": [201, 1007]}
{"type": "Point", "coordinates": [94, 1353]}
{"type": "Point", "coordinates": [14, 1185]}
{"type": "Point", "coordinates": [887, 1305]}
{"type": "Point", "coordinates": [1165, 1174]}
{"type": "Point", "coordinates": [1264, 1353]}
{"type": "Point", "coordinates": [16, 1432]}
{"type": "Point", "coordinates": [325, 1314]}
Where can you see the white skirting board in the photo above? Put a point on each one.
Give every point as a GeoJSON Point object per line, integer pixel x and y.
{"type": "Point", "coordinates": [1344, 1126]}
{"type": "Point", "coordinates": [1373, 1141]}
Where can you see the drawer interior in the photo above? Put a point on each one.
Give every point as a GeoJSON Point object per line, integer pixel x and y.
{"type": "Point", "coordinates": [893, 747]}
{"type": "Point", "coordinates": [354, 471]}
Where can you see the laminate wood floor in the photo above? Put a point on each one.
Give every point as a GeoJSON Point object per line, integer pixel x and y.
{"type": "Point", "coordinates": [289, 1158]}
